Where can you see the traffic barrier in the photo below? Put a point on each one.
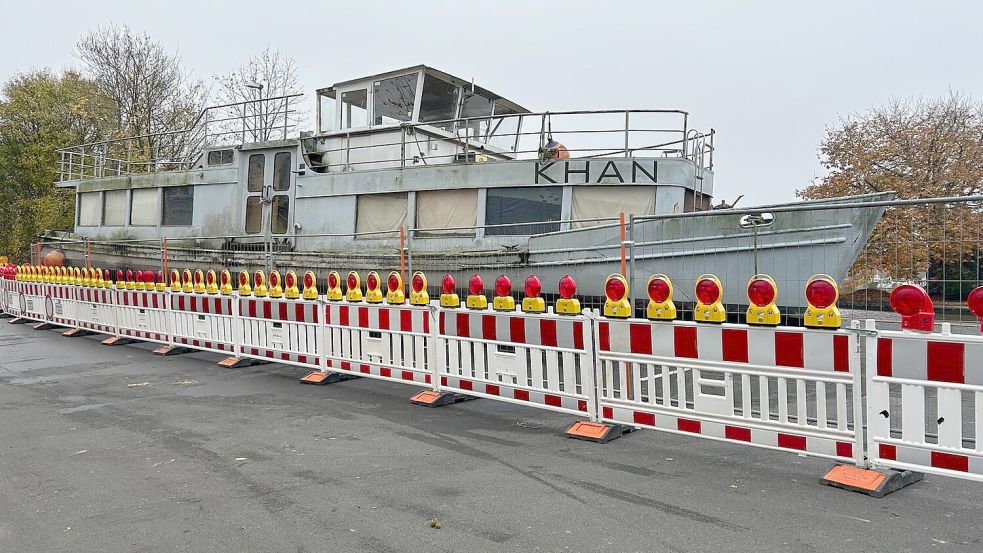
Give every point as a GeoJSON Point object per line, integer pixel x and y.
{"type": "Point", "coordinates": [791, 389]}
{"type": "Point", "coordinates": [280, 330]}
{"type": "Point", "coordinates": [60, 304]}
{"type": "Point", "coordinates": [919, 386]}
{"type": "Point", "coordinates": [203, 322]}
{"type": "Point", "coordinates": [31, 301]}
{"type": "Point", "coordinates": [141, 314]}
{"type": "Point", "coordinates": [94, 309]}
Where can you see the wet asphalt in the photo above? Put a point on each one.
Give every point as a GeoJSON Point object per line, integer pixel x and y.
{"type": "Point", "coordinates": [108, 449]}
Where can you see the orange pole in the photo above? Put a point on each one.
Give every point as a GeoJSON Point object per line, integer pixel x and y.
{"type": "Point", "coordinates": [88, 254]}
{"type": "Point", "coordinates": [402, 253]}
{"type": "Point", "coordinates": [621, 219]}
{"type": "Point", "coordinates": [37, 247]}
{"type": "Point", "coordinates": [163, 256]}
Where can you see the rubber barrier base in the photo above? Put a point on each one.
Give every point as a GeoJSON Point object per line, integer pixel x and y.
{"type": "Point", "coordinates": [430, 398]}
{"type": "Point", "coordinates": [117, 341]}
{"type": "Point", "coordinates": [46, 326]}
{"type": "Point", "coordinates": [77, 332]}
{"type": "Point", "coordinates": [872, 482]}
{"type": "Point", "coordinates": [234, 362]}
{"type": "Point", "coordinates": [167, 351]}
{"type": "Point", "coordinates": [598, 432]}
{"type": "Point", "coordinates": [321, 378]}
{"type": "Point", "coordinates": [19, 321]}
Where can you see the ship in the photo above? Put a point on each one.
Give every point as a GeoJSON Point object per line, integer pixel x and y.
{"type": "Point", "coordinates": [419, 170]}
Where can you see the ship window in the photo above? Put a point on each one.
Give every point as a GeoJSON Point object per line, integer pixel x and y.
{"type": "Point", "coordinates": [220, 157]}
{"type": "Point", "coordinates": [143, 207]}
{"type": "Point", "coordinates": [280, 216]}
{"type": "Point", "coordinates": [281, 171]}
{"type": "Point", "coordinates": [257, 166]}
{"type": "Point", "coordinates": [447, 209]}
{"type": "Point", "coordinates": [598, 202]}
{"type": "Point", "coordinates": [380, 212]}
{"type": "Point", "coordinates": [506, 206]}
{"type": "Point", "coordinates": [114, 208]}
{"type": "Point", "coordinates": [393, 99]}
{"type": "Point", "coordinates": [90, 211]}
{"type": "Point", "coordinates": [354, 109]}
{"type": "Point", "coordinates": [254, 214]}
{"type": "Point", "coordinates": [476, 105]}
{"type": "Point", "coordinates": [439, 100]}
{"type": "Point", "coordinates": [327, 109]}
{"type": "Point", "coordinates": [179, 202]}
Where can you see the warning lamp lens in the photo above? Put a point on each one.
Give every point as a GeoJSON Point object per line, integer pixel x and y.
{"type": "Point", "coordinates": [211, 277]}
{"type": "Point", "coordinates": [274, 279]}
{"type": "Point", "coordinates": [447, 284]}
{"type": "Point", "coordinates": [707, 291]}
{"type": "Point", "coordinates": [370, 281]}
{"type": "Point", "coordinates": [614, 289]}
{"type": "Point", "coordinates": [907, 300]}
{"type": "Point", "coordinates": [308, 280]}
{"type": "Point", "coordinates": [821, 293]}
{"type": "Point", "coordinates": [149, 276]}
{"type": "Point", "coordinates": [760, 292]}
{"type": "Point", "coordinates": [106, 275]}
{"type": "Point", "coordinates": [129, 276]}
{"type": "Point", "coordinates": [503, 286]}
{"type": "Point", "coordinates": [258, 279]}
{"type": "Point", "coordinates": [568, 287]}
{"type": "Point", "coordinates": [475, 285]}
{"type": "Point", "coordinates": [417, 283]}
{"type": "Point", "coordinates": [243, 279]}
{"type": "Point", "coordinates": [119, 275]}
{"type": "Point", "coordinates": [289, 280]}
{"type": "Point", "coordinates": [333, 280]}
{"type": "Point", "coordinates": [224, 278]}
{"type": "Point", "coordinates": [352, 281]}
{"type": "Point", "coordinates": [160, 276]}
{"type": "Point", "coordinates": [975, 301]}
{"type": "Point", "coordinates": [533, 286]}
{"type": "Point", "coordinates": [393, 282]}
{"type": "Point", "coordinates": [659, 290]}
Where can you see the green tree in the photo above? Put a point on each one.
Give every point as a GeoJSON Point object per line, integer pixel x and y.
{"type": "Point", "coordinates": [41, 112]}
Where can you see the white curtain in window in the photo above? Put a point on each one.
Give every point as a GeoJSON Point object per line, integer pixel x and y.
{"type": "Point", "coordinates": [440, 209]}
{"type": "Point", "coordinates": [114, 208]}
{"type": "Point", "coordinates": [380, 212]}
{"type": "Point", "coordinates": [89, 209]}
{"type": "Point", "coordinates": [143, 207]}
{"type": "Point", "coordinates": [594, 202]}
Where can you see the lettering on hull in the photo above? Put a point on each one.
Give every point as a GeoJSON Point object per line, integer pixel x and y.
{"type": "Point", "coordinates": [612, 171]}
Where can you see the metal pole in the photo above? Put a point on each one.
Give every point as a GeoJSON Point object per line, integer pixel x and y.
{"type": "Point", "coordinates": [409, 253]}
{"type": "Point", "coordinates": [627, 128]}
{"type": "Point", "coordinates": [402, 253]}
{"type": "Point", "coordinates": [163, 256]}
{"type": "Point", "coordinates": [631, 265]}
{"type": "Point", "coordinates": [621, 228]}
{"type": "Point", "coordinates": [88, 254]}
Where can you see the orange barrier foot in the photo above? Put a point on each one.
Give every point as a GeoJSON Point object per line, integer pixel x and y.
{"type": "Point", "coordinates": [430, 398]}
{"type": "Point", "coordinates": [323, 378]}
{"type": "Point", "coordinates": [116, 341]}
{"type": "Point", "coordinates": [171, 350]}
{"type": "Point", "coordinates": [76, 332]}
{"type": "Point", "coordinates": [234, 362]}
{"type": "Point", "coordinates": [45, 326]}
{"type": "Point", "coordinates": [873, 482]}
{"type": "Point", "coordinates": [599, 432]}
{"type": "Point", "coordinates": [19, 321]}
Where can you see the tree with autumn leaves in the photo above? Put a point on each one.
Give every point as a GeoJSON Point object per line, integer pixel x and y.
{"type": "Point", "coordinates": [917, 148]}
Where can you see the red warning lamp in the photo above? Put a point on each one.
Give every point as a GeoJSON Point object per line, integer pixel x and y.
{"type": "Point", "coordinates": [503, 286]}
{"type": "Point", "coordinates": [448, 298]}
{"type": "Point", "coordinates": [418, 292]}
{"type": "Point", "coordinates": [332, 280]}
{"type": "Point", "coordinates": [567, 304]}
{"type": "Point", "coordinates": [371, 282]}
{"type": "Point", "coordinates": [707, 291]}
{"type": "Point", "coordinates": [659, 290]}
{"type": "Point", "coordinates": [615, 289]}
{"type": "Point", "coordinates": [503, 294]}
{"type": "Point", "coordinates": [915, 307]}
{"type": "Point", "coordinates": [353, 281]}
{"type": "Point", "coordinates": [568, 287]}
{"type": "Point", "coordinates": [476, 286]}
{"type": "Point", "coordinates": [533, 286]}
{"type": "Point", "coordinates": [761, 292]}
{"type": "Point", "coordinates": [975, 303]}
{"type": "Point", "coordinates": [308, 280]}
{"type": "Point", "coordinates": [392, 283]}
{"type": "Point", "coordinates": [821, 293]}
{"type": "Point", "coordinates": [418, 283]}
{"type": "Point", "coordinates": [243, 278]}
{"type": "Point", "coordinates": [447, 284]}
{"type": "Point", "coordinates": [129, 275]}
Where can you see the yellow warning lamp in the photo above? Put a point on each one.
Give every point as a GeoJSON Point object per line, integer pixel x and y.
{"type": "Point", "coordinates": [19, 275]}
{"type": "Point", "coordinates": [533, 302]}
{"type": "Point", "coordinates": [616, 302]}
{"type": "Point", "coordinates": [175, 280]}
{"type": "Point", "coordinates": [709, 296]}
{"type": "Point", "coordinates": [161, 283]}
{"type": "Point", "coordinates": [225, 282]}
{"type": "Point", "coordinates": [77, 276]}
{"type": "Point", "coordinates": [762, 291]}
{"type": "Point", "coordinates": [275, 285]}
{"type": "Point", "coordinates": [244, 288]}
{"type": "Point", "coordinates": [28, 273]}
{"type": "Point", "coordinates": [86, 281]}
{"type": "Point", "coordinates": [43, 273]}
{"type": "Point", "coordinates": [131, 283]}
{"type": "Point", "coordinates": [476, 293]}
{"type": "Point", "coordinates": [51, 274]}
{"type": "Point", "coordinates": [187, 286]}
{"type": "Point", "coordinates": [259, 284]}
{"type": "Point", "coordinates": [821, 295]}
{"type": "Point", "coordinates": [567, 304]}
{"type": "Point", "coordinates": [107, 279]}
{"type": "Point", "coordinates": [448, 296]}
{"type": "Point", "coordinates": [503, 300]}
{"type": "Point", "coordinates": [290, 288]}
{"type": "Point", "coordinates": [334, 292]}
{"type": "Point", "coordinates": [62, 275]}
{"type": "Point", "coordinates": [138, 281]}
{"type": "Point", "coordinates": [418, 289]}
{"type": "Point", "coordinates": [150, 280]}
{"type": "Point", "coordinates": [211, 282]}
{"type": "Point", "coordinates": [394, 289]}
{"type": "Point", "coordinates": [354, 283]}
{"type": "Point", "coordinates": [199, 286]}
{"type": "Point", "coordinates": [96, 278]}
{"type": "Point", "coordinates": [661, 306]}
{"type": "Point", "coordinates": [56, 275]}
{"type": "Point", "coordinates": [120, 280]}
{"type": "Point", "coordinates": [373, 288]}
{"type": "Point", "coordinates": [310, 286]}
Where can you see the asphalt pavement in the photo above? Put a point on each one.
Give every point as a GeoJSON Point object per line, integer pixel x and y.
{"type": "Point", "coordinates": [108, 449]}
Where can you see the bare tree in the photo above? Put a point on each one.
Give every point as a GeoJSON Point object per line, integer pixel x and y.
{"type": "Point", "coordinates": [150, 91]}
{"type": "Point", "coordinates": [256, 94]}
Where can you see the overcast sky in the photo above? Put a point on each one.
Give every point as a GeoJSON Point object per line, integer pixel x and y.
{"type": "Point", "coordinates": [768, 76]}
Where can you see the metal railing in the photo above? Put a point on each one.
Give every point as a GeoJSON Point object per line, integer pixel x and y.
{"type": "Point", "coordinates": [259, 120]}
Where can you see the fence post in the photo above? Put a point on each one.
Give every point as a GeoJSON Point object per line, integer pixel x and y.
{"type": "Point", "coordinates": [857, 367]}
{"type": "Point", "coordinates": [163, 257]}
{"type": "Point", "coordinates": [631, 264]}
{"type": "Point", "coordinates": [621, 230]}
{"type": "Point", "coordinates": [592, 360]}
{"type": "Point", "coordinates": [409, 255]}
{"type": "Point", "coordinates": [438, 359]}
{"type": "Point", "coordinates": [88, 254]}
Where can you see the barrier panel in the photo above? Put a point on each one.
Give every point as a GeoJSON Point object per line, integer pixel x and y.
{"type": "Point", "coordinates": [387, 342]}
{"type": "Point", "coordinates": [142, 314]}
{"type": "Point", "coordinates": [524, 358]}
{"type": "Point", "coordinates": [60, 304]}
{"type": "Point", "coordinates": [925, 402]}
{"type": "Point", "coordinates": [279, 330]}
{"type": "Point", "coordinates": [203, 322]}
{"type": "Point", "coordinates": [4, 286]}
{"type": "Point", "coordinates": [31, 300]}
{"type": "Point", "coordinates": [790, 389]}
{"type": "Point", "coordinates": [94, 309]}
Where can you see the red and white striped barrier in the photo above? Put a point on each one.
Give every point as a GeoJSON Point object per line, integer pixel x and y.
{"type": "Point", "coordinates": [387, 342]}
{"type": "Point", "coordinates": [279, 330]}
{"type": "Point", "coordinates": [142, 315]}
{"type": "Point", "coordinates": [94, 309]}
{"type": "Point", "coordinates": [31, 300]}
{"type": "Point", "coordinates": [920, 388]}
{"type": "Point", "coordinates": [60, 304]}
{"type": "Point", "coordinates": [538, 360]}
{"type": "Point", "coordinates": [203, 322]}
{"type": "Point", "coordinates": [791, 389]}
